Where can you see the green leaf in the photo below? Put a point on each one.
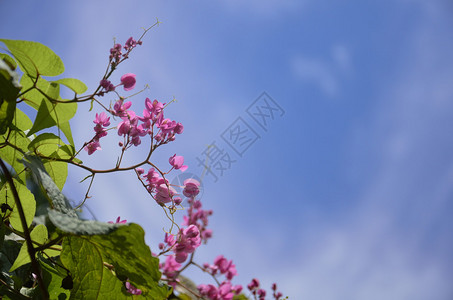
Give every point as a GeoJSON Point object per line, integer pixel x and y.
{"type": "Point", "coordinates": [53, 281]}
{"type": "Point", "coordinates": [74, 84]}
{"type": "Point", "coordinates": [58, 171]}
{"type": "Point", "coordinates": [33, 96]}
{"type": "Point", "coordinates": [50, 145]}
{"type": "Point", "coordinates": [6, 112]}
{"type": "Point", "coordinates": [58, 201]}
{"type": "Point", "coordinates": [80, 227]}
{"type": "Point", "coordinates": [8, 254]}
{"type": "Point", "coordinates": [27, 200]}
{"type": "Point", "coordinates": [21, 121]}
{"type": "Point", "coordinates": [11, 154]}
{"type": "Point", "coordinates": [54, 113]}
{"type": "Point", "coordinates": [126, 250]}
{"type": "Point", "coordinates": [240, 297]}
{"type": "Point", "coordinates": [66, 128]}
{"type": "Point", "coordinates": [35, 58]}
{"type": "Point", "coordinates": [39, 235]}
{"type": "Point", "coordinates": [43, 118]}
{"type": "Point", "coordinates": [92, 280]}
{"type": "Point", "coordinates": [9, 89]}
{"type": "Point", "coordinates": [2, 234]}
{"type": "Point", "coordinates": [46, 144]}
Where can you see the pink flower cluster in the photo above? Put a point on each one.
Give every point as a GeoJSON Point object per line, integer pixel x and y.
{"type": "Point", "coordinates": [134, 127]}
{"type": "Point", "coordinates": [101, 122]}
{"type": "Point", "coordinates": [254, 288]}
{"type": "Point", "coordinates": [187, 240]}
{"type": "Point", "coordinates": [223, 266]}
{"type": "Point", "coordinates": [197, 216]}
{"type": "Point", "coordinates": [116, 54]}
{"type": "Point", "coordinates": [158, 187]}
{"type": "Point", "coordinates": [127, 81]}
{"type": "Point", "coordinates": [177, 248]}
{"type": "Point", "coordinates": [225, 291]}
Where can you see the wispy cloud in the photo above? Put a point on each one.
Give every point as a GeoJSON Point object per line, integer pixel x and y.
{"type": "Point", "coordinates": [325, 73]}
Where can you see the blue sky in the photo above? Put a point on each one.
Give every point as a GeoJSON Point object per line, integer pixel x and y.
{"type": "Point", "coordinates": [348, 194]}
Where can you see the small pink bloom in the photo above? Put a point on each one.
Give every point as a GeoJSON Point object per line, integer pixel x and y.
{"type": "Point", "coordinates": [191, 188]}
{"type": "Point", "coordinates": [102, 119]}
{"type": "Point", "coordinates": [119, 221]}
{"type": "Point", "coordinates": [177, 162]}
{"type": "Point", "coordinates": [164, 193]}
{"type": "Point", "coordinates": [179, 128]}
{"type": "Point", "coordinates": [170, 267]}
{"type": "Point", "coordinates": [132, 289]}
{"type": "Point", "coordinates": [93, 147]}
{"type": "Point", "coordinates": [128, 81]}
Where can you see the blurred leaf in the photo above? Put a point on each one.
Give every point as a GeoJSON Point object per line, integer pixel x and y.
{"type": "Point", "coordinates": [35, 58]}
{"type": "Point", "coordinates": [9, 61]}
{"type": "Point", "coordinates": [240, 297]}
{"type": "Point", "coordinates": [58, 201]}
{"type": "Point", "coordinates": [80, 227]}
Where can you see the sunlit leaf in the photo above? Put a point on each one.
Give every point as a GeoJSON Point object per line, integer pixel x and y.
{"type": "Point", "coordinates": [74, 84]}
{"type": "Point", "coordinates": [35, 58]}
{"type": "Point", "coordinates": [39, 235]}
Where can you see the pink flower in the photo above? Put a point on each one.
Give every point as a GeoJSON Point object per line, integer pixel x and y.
{"type": "Point", "coordinates": [102, 119]}
{"type": "Point", "coordinates": [170, 267]}
{"type": "Point", "coordinates": [107, 85]}
{"type": "Point", "coordinates": [128, 81]}
{"type": "Point", "coordinates": [119, 109]}
{"type": "Point", "coordinates": [164, 193]}
{"type": "Point", "coordinates": [132, 289]}
{"type": "Point", "coordinates": [179, 128]}
{"type": "Point", "coordinates": [119, 221]}
{"type": "Point", "coordinates": [255, 283]}
{"type": "Point", "coordinates": [224, 292]}
{"type": "Point", "coordinates": [191, 188]}
{"type": "Point", "coordinates": [93, 147]}
{"type": "Point", "coordinates": [188, 240]}
{"type": "Point", "coordinates": [177, 162]}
